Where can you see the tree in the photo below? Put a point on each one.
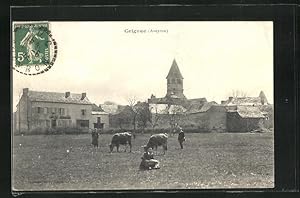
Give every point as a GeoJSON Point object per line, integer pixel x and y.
{"type": "Point", "coordinates": [154, 115]}
{"type": "Point", "coordinates": [143, 114]}
{"type": "Point", "coordinates": [175, 115]}
{"type": "Point", "coordinates": [238, 93]}
{"type": "Point", "coordinates": [132, 101]}
{"type": "Point", "coordinates": [109, 103]}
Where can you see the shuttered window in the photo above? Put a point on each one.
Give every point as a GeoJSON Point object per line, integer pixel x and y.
{"type": "Point", "coordinates": [61, 111]}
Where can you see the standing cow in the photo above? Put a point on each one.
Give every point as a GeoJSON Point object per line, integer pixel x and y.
{"type": "Point", "coordinates": [157, 140]}
{"type": "Point", "coordinates": [120, 139]}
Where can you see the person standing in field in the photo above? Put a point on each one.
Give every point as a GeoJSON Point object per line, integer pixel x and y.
{"type": "Point", "coordinates": [181, 137]}
{"type": "Point", "coordinates": [95, 137]}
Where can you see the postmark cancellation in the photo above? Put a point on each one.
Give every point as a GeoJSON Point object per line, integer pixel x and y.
{"type": "Point", "coordinates": [34, 48]}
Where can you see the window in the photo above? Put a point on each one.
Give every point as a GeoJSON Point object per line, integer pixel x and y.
{"type": "Point", "coordinates": [39, 110]}
{"type": "Point", "coordinates": [61, 111]}
{"type": "Point", "coordinates": [178, 81]}
{"type": "Point", "coordinates": [83, 111]}
{"type": "Point", "coordinates": [45, 110]}
{"type": "Point", "coordinates": [98, 119]}
{"type": "Point", "coordinates": [173, 80]}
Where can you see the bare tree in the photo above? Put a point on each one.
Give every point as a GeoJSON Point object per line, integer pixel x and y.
{"type": "Point", "coordinates": [155, 115]}
{"type": "Point", "coordinates": [175, 115]}
{"type": "Point", "coordinates": [238, 93]}
{"type": "Point", "coordinates": [132, 101]}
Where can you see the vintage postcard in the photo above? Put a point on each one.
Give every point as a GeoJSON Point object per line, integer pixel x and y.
{"type": "Point", "coordinates": [142, 105]}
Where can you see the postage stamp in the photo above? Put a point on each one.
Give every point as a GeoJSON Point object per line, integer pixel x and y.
{"type": "Point", "coordinates": [35, 50]}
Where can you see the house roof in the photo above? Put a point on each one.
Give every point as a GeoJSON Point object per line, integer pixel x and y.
{"type": "Point", "coordinates": [97, 108]}
{"type": "Point", "coordinates": [174, 71]}
{"type": "Point", "coordinates": [42, 96]}
{"type": "Point", "coordinates": [166, 100]}
{"type": "Point", "coordinates": [200, 107]}
{"type": "Point", "coordinates": [249, 112]}
{"type": "Point", "coordinates": [166, 109]}
{"type": "Point", "coordinates": [207, 106]}
{"type": "Point", "coordinates": [197, 100]}
{"type": "Point", "coordinates": [244, 101]}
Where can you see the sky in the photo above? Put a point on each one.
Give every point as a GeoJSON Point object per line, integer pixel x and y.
{"type": "Point", "coordinates": [110, 63]}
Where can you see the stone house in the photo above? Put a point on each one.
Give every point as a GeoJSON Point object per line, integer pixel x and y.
{"type": "Point", "coordinates": [100, 118]}
{"type": "Point", "coordinates": [210, 117]}
{"type": "Point", "coordinates": [40, 111]}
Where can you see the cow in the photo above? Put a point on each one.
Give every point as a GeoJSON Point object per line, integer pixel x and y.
{"type": "Point", "coordinates": [120, 139]}
{"type": "Point", "coordinates": [156, 140]}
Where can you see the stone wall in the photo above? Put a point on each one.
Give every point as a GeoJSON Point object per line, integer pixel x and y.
{"type": "Point", "coordinates": [235, 123]}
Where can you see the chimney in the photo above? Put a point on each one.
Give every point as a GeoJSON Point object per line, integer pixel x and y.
{"type": "Point", "coordinates": [223, 102]}
{"type": "Point", "coordinates": [83, 95]}
{"type": "Point", "coordinates": [230, 98]}
{"type": "Point", "coordinates": [25, 91]}
{"type": "Point", "coordinates": [67, 94]}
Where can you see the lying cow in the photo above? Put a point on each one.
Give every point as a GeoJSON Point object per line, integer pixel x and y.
{"type": "Point", "coordinates": [157, 140]}
{"type": "Point", "coordinates": [120, 139]}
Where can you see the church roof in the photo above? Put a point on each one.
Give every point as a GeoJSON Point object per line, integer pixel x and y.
{"type": "Point", "coordinates": [174, 71]}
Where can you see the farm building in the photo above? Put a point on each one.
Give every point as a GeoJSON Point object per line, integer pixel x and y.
{"type": "Point", "coordinates": [210, 117]}
{"type": "Point", "coordinates": [244, 119]}
{"type": "Point", "coordinates": [38, 111]}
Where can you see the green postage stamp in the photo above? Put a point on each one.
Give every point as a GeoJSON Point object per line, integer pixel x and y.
{"type": "Point", "coordinates": [35, 50]}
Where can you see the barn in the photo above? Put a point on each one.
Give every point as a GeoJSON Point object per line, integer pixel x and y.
{"type": "Point", "coordinates": [244, 118]}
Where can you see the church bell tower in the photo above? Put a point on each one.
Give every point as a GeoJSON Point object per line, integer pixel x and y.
{"type": "Point", "coordinates": [175, 82]}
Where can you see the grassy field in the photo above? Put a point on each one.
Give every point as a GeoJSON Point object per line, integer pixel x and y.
{"type": "Point", "coordinates": [209, 160]}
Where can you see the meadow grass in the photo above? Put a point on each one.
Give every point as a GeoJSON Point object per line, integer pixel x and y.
{"type": "Point", "coordinates": [208, 160]}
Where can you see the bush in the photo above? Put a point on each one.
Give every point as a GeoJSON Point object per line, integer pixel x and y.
{"type": "Point", "coordinates": [154, 131]}
{"type": "Point", "coordinates": [57, 131]}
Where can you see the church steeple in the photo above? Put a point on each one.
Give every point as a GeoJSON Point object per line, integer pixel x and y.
{"type": "Point", "coordinates": [175, 82]}
{"type": "Point", "coordinates": [174, 71]}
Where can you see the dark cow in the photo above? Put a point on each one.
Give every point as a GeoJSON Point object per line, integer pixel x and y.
{"type": "Point", "coordinates": [120, 139]}
{"type": "Point", "coordinates": [157, 140]}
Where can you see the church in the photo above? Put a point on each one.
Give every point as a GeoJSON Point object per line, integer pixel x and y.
{"type": "Point", "coordinates": [238, 114]}
{"type": "Point", "coordinates": [174, 106]}
{"type": "Point", "coordinates": [175, 96]}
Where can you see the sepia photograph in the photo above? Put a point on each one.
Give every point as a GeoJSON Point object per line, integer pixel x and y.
{"type": "Point", "coordinates": [143, 105]}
